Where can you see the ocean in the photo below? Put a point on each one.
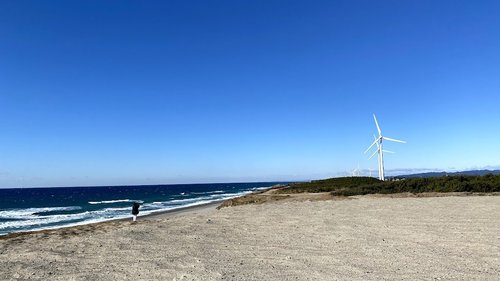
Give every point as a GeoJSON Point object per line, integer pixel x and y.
{"type": "Point", "coordinates": [28, 209]}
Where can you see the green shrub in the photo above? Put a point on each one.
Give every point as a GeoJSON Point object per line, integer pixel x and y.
{"type": "Point", "coordinates": [328, 185]}
{"type": "Point", "coordinates": [348, 186]}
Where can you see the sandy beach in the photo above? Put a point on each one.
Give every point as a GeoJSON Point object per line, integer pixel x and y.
{"type": "Point", "coordinates": [362, 238]}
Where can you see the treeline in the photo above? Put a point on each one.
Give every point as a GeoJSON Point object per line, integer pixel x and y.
{"type": "Point", "coordinates": [329, 185]}
{"type": "Point", "coordinates": [349, 186]}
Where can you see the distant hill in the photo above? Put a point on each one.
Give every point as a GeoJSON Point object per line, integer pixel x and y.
{"type": "Point", "coordinates": [442, 174]}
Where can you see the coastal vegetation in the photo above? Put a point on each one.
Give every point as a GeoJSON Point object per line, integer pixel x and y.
{"type": "Point", "coordinates": [328, 185]}
{"type": "Point", "coordinates": [349, 186]}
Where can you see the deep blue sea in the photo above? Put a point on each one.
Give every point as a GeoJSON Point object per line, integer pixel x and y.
{"type": "Point", "coordinates": [27, 209]}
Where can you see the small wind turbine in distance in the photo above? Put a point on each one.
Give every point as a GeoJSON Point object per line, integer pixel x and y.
{"type": "Point", "coordinates": [355, 172]}
{"type": "Point", "coordinates": [380, 149]}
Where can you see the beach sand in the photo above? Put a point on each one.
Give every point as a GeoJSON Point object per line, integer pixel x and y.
{"type": "Point", "coordinates": [363, 238]}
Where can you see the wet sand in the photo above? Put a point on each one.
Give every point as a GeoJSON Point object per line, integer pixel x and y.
{"type": "Point", "coordinates": [364, 238]}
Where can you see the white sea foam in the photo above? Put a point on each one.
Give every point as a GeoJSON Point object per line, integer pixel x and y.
{"type": "Point", "coordinates": [184, 203]}
{"type": "Point", "coordinates": [215, 191]}
{"type": "Point", "coordinates": [261, 187]}
{"type": "Point", "coordinates": [32, 212]}
{"type": "Point", "coordinates": [114, 201]}
{"type": "Point", "coordinates": [43, 220]}
{"type": "Point", "coordinates": [181, 203]}
{"type": "Point", "coordinates": [208, 192]}
{"type": "Point", "coordinates": [107, 213]}
{"type": "Point", "coordinates": [84, 222]}
{"type": "Point", "coordinates": [114, 209]}
{"type": "Point", "coordinates": [28, 219]}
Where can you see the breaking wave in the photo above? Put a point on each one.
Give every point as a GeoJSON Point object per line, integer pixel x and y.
{"type": "Point", "coordinates": [91, 211]}
{"type": "Point", "coordinates": [114, 201]}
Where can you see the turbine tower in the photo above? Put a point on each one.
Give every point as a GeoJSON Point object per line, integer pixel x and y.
{"type": "Point", "coordinates": [380, 149]}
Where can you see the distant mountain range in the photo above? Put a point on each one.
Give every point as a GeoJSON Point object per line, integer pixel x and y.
{"type": "Point", "coordinates": [442, 174]}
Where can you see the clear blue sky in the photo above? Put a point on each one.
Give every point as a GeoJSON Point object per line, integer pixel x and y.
{"type": "Point", "coordinates": [139, 92]}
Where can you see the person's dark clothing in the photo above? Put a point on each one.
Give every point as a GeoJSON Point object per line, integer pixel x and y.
{"type": "Point", "coordinates": [135, 209]}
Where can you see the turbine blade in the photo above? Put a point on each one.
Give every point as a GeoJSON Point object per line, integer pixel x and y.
{"type": "Point", "coordinates": [388, 151]}
{"type": "Point", "coordinates": [373, 154]}
{"type": "Point", "coordinates": [371, 145]}
{"type": "Point", "coordinates": [395, 140]}
{"type": "Point", "coordinates": [376, 123]}
{"type": "Point", "coordinates": [375, 138]}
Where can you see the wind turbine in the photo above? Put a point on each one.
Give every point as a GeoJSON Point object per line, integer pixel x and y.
{"type": "Point", "coordinates": [355, 172]}
{"type": "Point", "coordinates": [380, 149]}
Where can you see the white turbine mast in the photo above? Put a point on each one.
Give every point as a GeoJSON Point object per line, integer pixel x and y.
{"type": "Point", "coordinates": [380, 149]}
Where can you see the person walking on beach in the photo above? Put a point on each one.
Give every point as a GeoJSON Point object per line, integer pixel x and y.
{"type": "Point", "coordinates": [135, 211]}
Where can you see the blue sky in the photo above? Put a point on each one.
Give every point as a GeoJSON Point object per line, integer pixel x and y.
{"type": "Point", "coordinates": [140, 92]}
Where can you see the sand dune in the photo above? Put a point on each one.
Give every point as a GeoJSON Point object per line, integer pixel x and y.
{"type": "Point", "coordinates": [365, 238]}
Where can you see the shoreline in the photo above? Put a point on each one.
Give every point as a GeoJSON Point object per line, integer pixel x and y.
{"type": "Point", "coordinates": [225, 203]}
{"type": "Point", "coordinates": [80, 219]}
{"type": "Point", "coordinates": [171, 212]}
{"type": "Point", "coordinates": [179, 210]}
